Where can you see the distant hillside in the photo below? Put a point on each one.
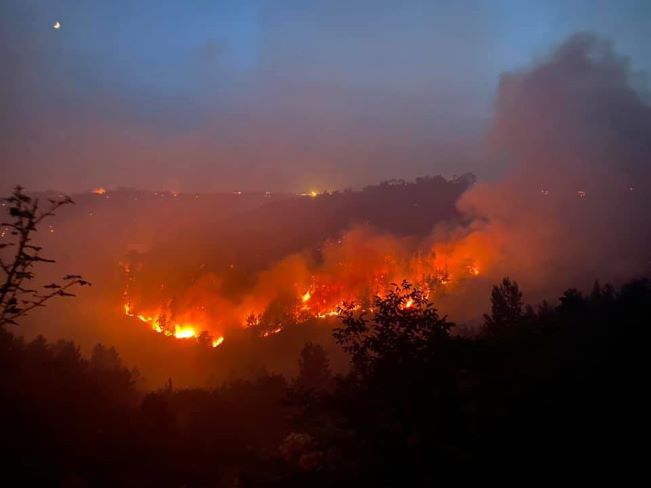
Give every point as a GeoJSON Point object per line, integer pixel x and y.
{"type": "Point", "coordinates": [254, 238]}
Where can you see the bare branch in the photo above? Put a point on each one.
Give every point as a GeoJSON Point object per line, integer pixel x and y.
{"type": "Point", "coordinates": [26, 214]}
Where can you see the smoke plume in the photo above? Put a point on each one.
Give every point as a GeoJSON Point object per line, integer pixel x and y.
{"type": "Point", "coordinates": [574, 207]}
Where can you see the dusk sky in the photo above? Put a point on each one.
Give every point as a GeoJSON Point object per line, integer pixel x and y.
{"type": "Point", "coordinates": [280, 95]}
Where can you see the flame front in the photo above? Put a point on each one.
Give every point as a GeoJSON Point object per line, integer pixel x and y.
{"type": "Point", "coordinates": [158, 323]}
{"type": "Point", "coordinates": [295, 292]}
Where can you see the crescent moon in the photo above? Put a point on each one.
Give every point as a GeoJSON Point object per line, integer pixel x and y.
{"type": "Point", "coordinates": [57, 25]}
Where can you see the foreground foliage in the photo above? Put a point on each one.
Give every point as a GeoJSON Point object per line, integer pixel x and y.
{"type": "Point", "coordinates": [540, 391]}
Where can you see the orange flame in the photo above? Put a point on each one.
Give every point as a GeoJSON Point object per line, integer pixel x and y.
{"type": "Point", "coordinates": [356, 268]}
{"type": "Point", "coordinates": [177, 330]}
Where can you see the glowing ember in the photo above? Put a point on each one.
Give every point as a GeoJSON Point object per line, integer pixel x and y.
{"type": "Point", "coordinates": [272, 332]}
{"type": "Point", "coordinates": [331, 313]}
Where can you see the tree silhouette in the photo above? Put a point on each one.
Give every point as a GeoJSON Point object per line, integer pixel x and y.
{"type": "Point", "coordinates": [507, 307]}
{"type": "Point", "coordinates": [313, 368]}
{"type": "Point", "coordinates": [564, 394]}
{"type": "Point", "coordinates": [404, 325]}
{"type": "Point", "coordinates": [19, 256]}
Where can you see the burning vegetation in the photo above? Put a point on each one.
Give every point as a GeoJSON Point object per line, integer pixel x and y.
{"type": "Point", "coordinates": [350, 271]}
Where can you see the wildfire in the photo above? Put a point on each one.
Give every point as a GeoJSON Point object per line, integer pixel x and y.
{"type": "Point", "coordinates": [331, 313]}
{"type": "Point", "coordinates": [184, 332]}
{"type": "Point", "coordinates": [158, 323]}
{"type": "Point", "coordinates": [355, 269]}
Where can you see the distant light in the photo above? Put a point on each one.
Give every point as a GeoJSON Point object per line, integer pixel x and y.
{"type": "Point", "coordinates": [99, 191]}
{"type": "Point", "coordinates": [581, 194]}
{"type": "Point", "coordinates": [56, 25]}
{"type": "Point", "coordinates": [313, 194]}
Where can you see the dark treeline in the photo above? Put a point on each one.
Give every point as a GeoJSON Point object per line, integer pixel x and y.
{"type": "Point", "coordinates": [398, 207]}
{"type": "Point", "coordinates": [538, 391]}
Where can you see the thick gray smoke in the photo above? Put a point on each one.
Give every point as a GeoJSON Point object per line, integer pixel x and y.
{"type": "Point", "coordinates": [574, 207]}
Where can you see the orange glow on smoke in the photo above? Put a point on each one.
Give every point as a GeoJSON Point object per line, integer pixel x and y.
{"type": "Point", "coordinates": [353, 270]}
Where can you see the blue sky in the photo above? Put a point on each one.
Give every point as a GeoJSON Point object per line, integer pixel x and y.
{"type": "Point", "coordinates": [188, 95]}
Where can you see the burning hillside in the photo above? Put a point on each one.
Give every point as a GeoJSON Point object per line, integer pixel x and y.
{"type": "Point", "coordinates": [211, 268]}
{"type": "Point", "coordinates": [568, 212]}
{"type": "Point", "coordinates": [352, 269]}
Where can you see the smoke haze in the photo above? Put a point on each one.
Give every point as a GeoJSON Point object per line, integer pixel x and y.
{"type": "Point", "coordinates": [575, 132]}
{"type": "Point", "coordinates": [267, 96]}
{"type": "Point", "coordinates": [574, 207]}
